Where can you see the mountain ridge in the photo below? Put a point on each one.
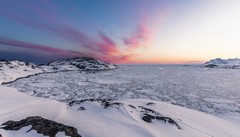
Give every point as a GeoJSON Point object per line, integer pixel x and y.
{"type": "Point", "coordinates": [231, 63]}
{"type": "Point", "coordinates": [11, 70]}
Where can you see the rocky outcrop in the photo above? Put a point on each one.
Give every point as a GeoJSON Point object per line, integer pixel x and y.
{"type": "Point", "coordinates": [42, 126]}
{"type": "Point", "coordinates": [148, 118]}
{"type": "Point", "coordinates": [103, 102]}
{"type": "Point", "coordinates": [145, 112]}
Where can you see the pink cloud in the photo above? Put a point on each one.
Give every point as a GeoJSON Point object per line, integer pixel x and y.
{"type": "Point", "coordinates": [53, 25]}
{"type": "Point", "coordinates": [139, 38]}
{"type": "Point", "coordinates": [106, 46]}
{"type": "Point", "coordinates": [142, 36]}
{"type": "Point", "coordinates": [117, 59]}
{"type": "Point", "coordinates": [50, 22]}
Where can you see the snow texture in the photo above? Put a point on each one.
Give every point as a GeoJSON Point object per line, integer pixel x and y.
{"type": "Point", "coordinates": [11, 70]}
{"type": "Point", "coordinates": [124, 120]}
{"type": "Point", "coordinates": [213, 91]}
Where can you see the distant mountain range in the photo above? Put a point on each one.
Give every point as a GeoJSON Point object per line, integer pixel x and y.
{"type": "Point", "coordinates": [223, 63]}
{"type": "Point", "coordinates": [11, 70]}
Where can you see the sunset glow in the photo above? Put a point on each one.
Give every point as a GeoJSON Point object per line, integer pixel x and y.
{"type": "Point", "coordinates": [125, 32]}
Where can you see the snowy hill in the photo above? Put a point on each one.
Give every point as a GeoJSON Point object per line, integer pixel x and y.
{"type": "Point", "coordinates": [108, 118]}
{"type": "Point", "coordinates": [223, 63]}
{"type": "Point", "coordinates": [81, 63]}
{"type": "Point", "coordinates": [11, 70]}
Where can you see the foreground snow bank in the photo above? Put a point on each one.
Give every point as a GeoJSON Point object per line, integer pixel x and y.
{"type": "Point", "coordinates": [119, 119]}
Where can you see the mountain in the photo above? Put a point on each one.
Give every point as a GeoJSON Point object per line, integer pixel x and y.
{"type": "Point", "coordinates": [81, 63]}
{"type": "Point", "coordinates": [11, 70]}
{"type": "Point", "coordinates": [223, 63]}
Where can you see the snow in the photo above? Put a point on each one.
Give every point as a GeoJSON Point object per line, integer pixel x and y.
{"type": "Point", "coordinates": [213, 91]}
{"type": "Point", "coordinates": [11, 70]}
{"type": "Point", "coordinates": [224, 63]}
{"type": "Point", "coordinates": [124, 121]}
{"type": "Point", "coordinates": [21, 133]}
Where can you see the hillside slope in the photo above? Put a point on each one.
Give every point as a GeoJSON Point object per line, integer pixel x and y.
{"type": "Point", "coordinates": [11, 70]}
{"type": "Point", "coordinates": [98, 118]}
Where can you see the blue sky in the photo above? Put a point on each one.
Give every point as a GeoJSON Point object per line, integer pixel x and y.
{"type": "Point", "coordinates": [119, 31]}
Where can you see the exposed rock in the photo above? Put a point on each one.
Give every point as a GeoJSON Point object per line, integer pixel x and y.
{"type": "Point", "coordinates": [211, 66]}
{"type": "Point", "coordinates": [147, 110]}
{"type": "Point", "coordinates": [150, 104]}
{"type": "Point", "coordinates": [104, 102]}
{"type": "Point", "coordinates": [150, 114]}
{"type": "Point", "coordinates": [42, 126]}
{"type": "Point", "coordinates": [148, 118]}
{"type": "Point", "coordinates": [146, 114]}
{"type": "Point", "coordinates": [81, 108]}
{"type": "Point", "coordinates": [132, 106]}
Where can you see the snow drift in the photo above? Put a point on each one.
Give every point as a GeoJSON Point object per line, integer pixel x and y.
{"type": "Point", "coordinates": [120, 119]}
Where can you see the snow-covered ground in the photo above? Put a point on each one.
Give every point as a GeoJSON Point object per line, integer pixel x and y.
{"type": "Point", "coordinates": [213, 91]}
{"type": "Point", "coordinates": [125, 120]}
{"type": "Point", "coordinates": [137, 91]}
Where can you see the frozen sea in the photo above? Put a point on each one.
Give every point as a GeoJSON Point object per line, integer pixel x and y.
{"type": "Point", "coordinates": [214, 91]}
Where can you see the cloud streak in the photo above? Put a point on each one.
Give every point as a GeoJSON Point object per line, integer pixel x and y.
{"type": "Point", "coordinates": [38, 47]}
{"type": "Point", "coordinates": [46, 17]}
{"type": "Point", "coordinates": [50, 23]}
{"type": "Point", "coordinates": [138, 38]}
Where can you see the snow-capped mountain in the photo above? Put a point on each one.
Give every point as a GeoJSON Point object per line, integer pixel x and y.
{"type": "Point", "coordinates": [81, 63]}
{"type": "Point", "coordinates": [223, 63]}
{"type": "Point", "coordinates": [11, 70]}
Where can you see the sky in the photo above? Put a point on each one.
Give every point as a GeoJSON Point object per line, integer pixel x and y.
{"type": "Point", "coordinates": [120, 31]}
